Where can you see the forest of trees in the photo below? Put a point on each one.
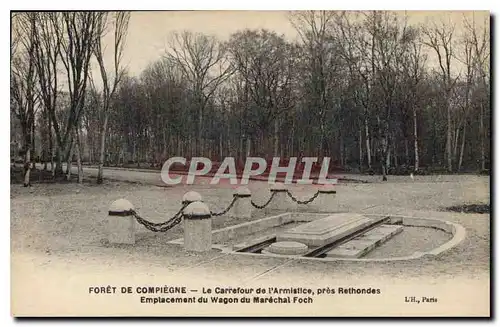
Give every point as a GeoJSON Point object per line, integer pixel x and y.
{"type": "Point", "coordinates": [367, 89]}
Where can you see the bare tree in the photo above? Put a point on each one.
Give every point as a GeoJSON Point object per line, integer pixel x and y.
{"type": "Point", "coordinates": [466, 57]}
{"type": "Point", "coordinates": [413, 73]}
{"type": "Point", "coordinates": [90, 119]}
{"type": "Point", "coordinates": [110, 83]}
{"type": "Point", "coordinates": [265, 64]}
{"type": "Point", "coordinates": [387, 37]}
{"type": "Point", "coordinates": [479, 42]}
{"type": "Point", "coordinates": [203, 61]}
{"type": "Point", "coordinates": [314, 30]}
{"type": "Point", "coordinates": [79, 36]}
{"type": "Point", "coordinates": [47, 51]}
{"type": "Point", "coordinates": [355, 43]}
{"type": "Point", "coordinates": [439, 38]}
{"type": "Point", "coordinates": [23, 89]}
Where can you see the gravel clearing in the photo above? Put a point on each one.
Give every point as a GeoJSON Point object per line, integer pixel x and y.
{"type": "Point", "coordinates": [55, 225]}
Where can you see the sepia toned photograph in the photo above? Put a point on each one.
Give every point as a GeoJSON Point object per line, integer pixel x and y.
{"type": "Point", "coordinates": [250, 163]}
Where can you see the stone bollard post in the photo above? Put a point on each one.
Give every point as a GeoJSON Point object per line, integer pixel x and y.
{"type": "Point", "coordinates": [197, 227]}
{"type": "Point", "coordinates": [280, 201]}
{"type": "Point", "coordinates": [121, 223]}
{"type": "Point", "coordinates": [191, 196]}
{"type": "Point", "coordinates": [243, 206]}
{"type": "Point", "coordinates": [325, 200]}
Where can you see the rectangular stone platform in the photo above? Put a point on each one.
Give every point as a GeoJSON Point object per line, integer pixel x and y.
{"type": "Point", "coordinates": [363, 244]}
{"type": "Point", "coordinates": [326, 230]}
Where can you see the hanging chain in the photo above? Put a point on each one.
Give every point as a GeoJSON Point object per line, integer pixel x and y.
{"type": "Point", "coordinates": [265, 204]}
{"type": "Point", "coordinates": [177, 218]}
{"type": "Point", "coordinates": [160, 227]}
{"type": "Point", "coordinates": [227, 209]}
{"type": "Point", "coordinates": [302, 202]}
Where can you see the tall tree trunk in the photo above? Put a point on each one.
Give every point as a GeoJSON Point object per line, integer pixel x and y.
{"type": "Point", "coordinates": [69, 162]}
{"type": "Point", "coordinates": [384, 167]}
{"type": "Point", "coordinates": [456, 138]}
{"type": "Point", "coordinates": [360, 150]}
{"type": "Point", "coordinates": [407, 152]}
{"type": "Point", "coordinates": [395, 154]}
{"type": "Point", "coordinates": [45, 146]}
{"type": "Point", "coordinates": [462, 149]}
{"type": "Point", "coordinates": [151, 152]}
{"type": "Point", "coordinates": [321, 147]}
{"type": "Point", "coordinates": [90, 144]}
{"type": "Point", "coordinates": [240, 149]}
{"type": "Point", "coordinates": [134, 151]}
{"type": "Point", "coordinates": [276, 137]}
{"type": "Point", "coordinates": [220, 148]}
{"type": "Point", "coordinates": [282, 150]}
{"type": "Point", "coordinates": [289, 146]}
{"type": "Point", "coordinates": [247, 154]}
{"type": "Point", "coordinates": [228, 142]}
{"type": "Point", "coordinates": [208, 146]}
{"type": "Point", "coordinates": [179, 145]}
{"type": "Point", "coordinates": [78, 156]}
{"type": "Point", "coordinates": [199, 138]}
{"type": "Point", "coordinates": [342, 154]}
{"type": "Point", "coordinates": [27, 165]}
{"type": "Point", "coordinates": [58, 169]}
{"type": "Point", "coordinates": [481, 137]}
{"type": "Point", "coordinates": [51, 149]}
{"type": "Point", "coordinates": [33, 146]}
{"type": "Point", "coordinates": [448, 136]}
{"type": "Point", "coordinates": [415, 136]}
{"type": "Point", "coordinates": [165, 145]}
{"type": "Point", "coordinates": [368, 141]}
{"type": "Point", "coordinates": [388, 158]}
{"type": "Point", "coordinates": [192, 144]}
{"type": "Point", "coordinates": [124, 151]}
{"type": "Point", "coordinates": [102, 149]}
{"type": "Point", "coordinates": [384, 156]}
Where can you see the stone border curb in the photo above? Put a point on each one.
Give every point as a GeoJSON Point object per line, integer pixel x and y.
{"type": "Point", "coordinates": [457, 231]}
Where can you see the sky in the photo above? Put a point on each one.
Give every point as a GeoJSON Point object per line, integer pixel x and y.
{"type": "Point", "coordinates": [149, 30]}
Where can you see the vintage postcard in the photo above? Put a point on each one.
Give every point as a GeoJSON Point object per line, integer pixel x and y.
{"type": "Point", "coordinates": [250, 163]}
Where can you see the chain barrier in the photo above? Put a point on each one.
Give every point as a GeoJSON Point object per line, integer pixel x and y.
{"type": "Point", "coordinates": [265, 204]}
{"type": "Point", "coordinates": [302, 202]}
{"type": "Point", "coordinates": [177, 218]}
{"type": "Point", "coordinates": [160, 227]}
{"type": "Point", "coordinates": [227, 209]}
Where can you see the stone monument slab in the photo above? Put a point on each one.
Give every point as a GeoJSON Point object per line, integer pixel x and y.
{"type": "Point", "coordinates": [363, 244]}
{"type": "Point", "coordinates": [326, 230]}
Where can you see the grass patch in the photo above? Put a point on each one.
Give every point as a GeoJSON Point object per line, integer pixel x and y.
{"type": "Point", "coordinates": [470, 208]}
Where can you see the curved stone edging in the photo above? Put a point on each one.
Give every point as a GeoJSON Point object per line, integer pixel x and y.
{"type": "Point", "coordinates": [458, 231]}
